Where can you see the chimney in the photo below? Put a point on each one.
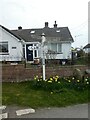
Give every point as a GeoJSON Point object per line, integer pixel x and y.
{"type": "Point", "coordinates": [46, 24]}
{"type": "Point", "coordinates": [19, 28]}
{"type": "Point", "coordinates": [55, 25]}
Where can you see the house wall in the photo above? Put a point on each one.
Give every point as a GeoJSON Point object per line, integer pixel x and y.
{"type": "Point", "coordinates": [65, 52]}
{"type": "Point", "coordinates": [14, 54]}
{"type": "Point", "coordinates": [87, 50]}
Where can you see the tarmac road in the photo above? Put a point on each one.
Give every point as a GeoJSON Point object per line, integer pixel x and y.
{"type": "Point", "coordinates": [76, 111]}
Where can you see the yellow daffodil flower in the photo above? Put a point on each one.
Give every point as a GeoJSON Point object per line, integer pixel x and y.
{"type": "Point", "coordinates": [59, 82]}
{"type": "Point", "coordinates": [73, 78]}
{"type": "Point", "coordinates": [87, 83]}
{"type": "Point", "coordinates": [78, 80]}
{"type": "Point", "coordinates": [41, 77]}
{"type": "Point", "coordinates": [50, 81]}
{"type": "Point", "coordinates": [86, 80]}
{"type": "Point", "coordinates": [35, 78]}
{"type": "Point", "coordinates": [69, 80]}
{"type": "Point", "coordinates": [57, 76]}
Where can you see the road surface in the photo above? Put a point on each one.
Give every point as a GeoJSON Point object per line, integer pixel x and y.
{"type": "Point", "coordinates": [75, 111]}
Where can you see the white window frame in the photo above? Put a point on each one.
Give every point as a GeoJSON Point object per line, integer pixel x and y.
{"type": "Point", "coordinates": [57, 51]}
{"type": "Point", "coordinates": [4, 53]}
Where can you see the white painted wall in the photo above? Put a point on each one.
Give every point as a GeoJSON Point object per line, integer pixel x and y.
{"type": "Point", "coordinates": [14, 54]}
{"type": "Point", "coordinates": [87, 50]}
{"type": "Point", "coordinates": [66, 51]}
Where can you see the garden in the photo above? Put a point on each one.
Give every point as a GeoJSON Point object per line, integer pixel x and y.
{"type": "Point", "coordinates": [53, 92]}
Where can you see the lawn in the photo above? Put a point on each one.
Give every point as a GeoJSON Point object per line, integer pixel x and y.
{"type": "Point", "coordinates": [28, 94]}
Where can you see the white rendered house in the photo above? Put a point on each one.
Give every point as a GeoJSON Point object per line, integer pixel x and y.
{"type": "Point", "coordinates": [27, 43]}
{"type": "Point", "coordinates": [10, 46]}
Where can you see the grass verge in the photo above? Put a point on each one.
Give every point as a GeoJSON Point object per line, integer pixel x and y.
{"type": "Point", "coordinates": [23, 94]}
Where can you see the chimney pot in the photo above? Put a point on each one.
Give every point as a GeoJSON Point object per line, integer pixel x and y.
{"type": "Point", "coordinates": [19, 28]}
{"type": "Point", "coordinates": [55, 25]}
{"type": "Point", "coordinates": [46, 24]}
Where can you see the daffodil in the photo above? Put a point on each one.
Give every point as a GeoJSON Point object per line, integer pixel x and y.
{"type": "Point", "coordinates": [41, 77]}
{"type": "Point", "coordinates": [78, 80]}
{"type": "Point", "coordinates": [35, 78]}
{"type": "Point", "coordinates": [59, 82]}
{"type": "Point", "coordinates": [73, 78]}
{"type": "Point", "coordinates": [69, 80]}
{"type": "Point", "coordinates": [50, 81]}
{"type": "Point", "coordinates": [87, 83]}
{"type": "Point", "coordinates": [57, 76]}
{"type": "Point", "coordinates": [51, 92]}
{"type": "Point", "coordinates": [86, 79]}
{"type": "Point", "coordinates": [56, 79]}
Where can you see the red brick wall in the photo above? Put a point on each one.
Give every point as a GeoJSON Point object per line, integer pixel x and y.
{"type": "Point", "coordinates": [20, 73]}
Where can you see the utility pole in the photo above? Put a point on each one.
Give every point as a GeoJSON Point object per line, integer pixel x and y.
{"type": "Point", "coordinates": [43, 54]}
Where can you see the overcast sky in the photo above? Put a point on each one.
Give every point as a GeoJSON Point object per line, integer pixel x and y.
{"type": "Point", "coordinates": [34, 13]}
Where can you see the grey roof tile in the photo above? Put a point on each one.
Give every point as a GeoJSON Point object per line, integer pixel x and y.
{"type": "Point", "coordinates": [31, 35]}
{"type": "Point", "coordinates": [87, 46]}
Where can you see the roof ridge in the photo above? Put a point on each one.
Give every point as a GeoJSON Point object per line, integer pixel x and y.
{"type": "Point", "coordinates": [11, 32]}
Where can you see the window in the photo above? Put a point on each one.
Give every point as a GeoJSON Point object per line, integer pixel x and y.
{"type": "Point", "coordinates": [35, 53]}
{"type": "Point", "coordinates": [13, 47]}
{"type": "Point", "coordinates": [35, 46]}
{"type": "Point", "coordinates": [59, 47]}
{"type": "Point", "coordinates": [3, 47]}
{"type": "Point", "coordinates": [56, 47]}
{"type": "Point", "coordinates": [58, 31]}
{"type": "Point", "coordinates": [32, 31]}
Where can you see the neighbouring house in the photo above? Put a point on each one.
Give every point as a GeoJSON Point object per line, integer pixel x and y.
{"type": "Point", "coordinates": [10, 45]}
{"type": "Point", "coordinates": [87, 48]}
{"type": "Point", "coordinates": [57, 45]}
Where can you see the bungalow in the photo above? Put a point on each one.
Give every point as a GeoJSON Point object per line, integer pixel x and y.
{"type": "Point", "coordinates": [10, 45]}
{"type": "Point", "coordinates": [87, 48]}
{"type": "Point", "coordinates": [57, 43]}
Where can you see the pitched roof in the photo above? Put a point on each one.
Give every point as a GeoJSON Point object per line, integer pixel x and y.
{"type": "Point", "coordinates": [30, 35]}
{"type": "Point", "coordinates": [87, 46]}
{"type": "Point", "coordinates": [11, 32]}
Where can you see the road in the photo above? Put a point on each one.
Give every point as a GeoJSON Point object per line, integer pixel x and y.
{"type": "Point", "coordinates": [76, 111]}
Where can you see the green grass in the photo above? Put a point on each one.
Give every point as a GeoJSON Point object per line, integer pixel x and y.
{"type": "Point", "coordinates": [23, 94]}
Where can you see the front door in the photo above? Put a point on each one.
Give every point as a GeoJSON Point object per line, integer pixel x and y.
{"type": "Point", "coordinates": [29, 52]}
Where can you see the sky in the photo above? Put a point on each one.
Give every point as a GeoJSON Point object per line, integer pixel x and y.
{"type": "Point", "coordinates": [34, 13]}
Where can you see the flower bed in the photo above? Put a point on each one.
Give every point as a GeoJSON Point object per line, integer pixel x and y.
{"type": "Point", "coordinates": [57, 84]}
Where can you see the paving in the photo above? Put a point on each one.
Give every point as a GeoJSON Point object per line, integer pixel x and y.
{"type": "Point", "coordinates": [75, 111]}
